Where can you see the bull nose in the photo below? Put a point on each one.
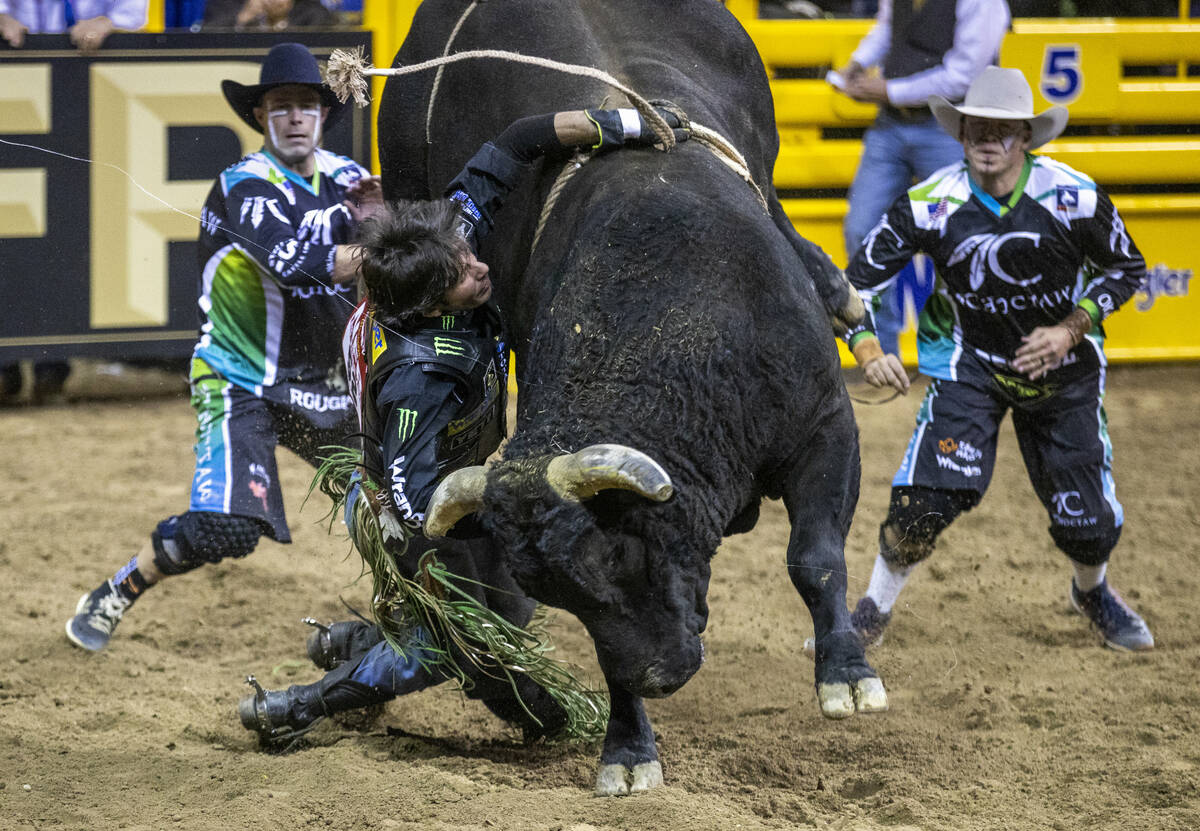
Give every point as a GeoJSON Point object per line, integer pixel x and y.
{"type": "Point", "coordinates": [664, 677]}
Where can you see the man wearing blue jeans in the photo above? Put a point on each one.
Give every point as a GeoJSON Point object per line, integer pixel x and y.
{"type": "Point", "coordinates": [921, 48]}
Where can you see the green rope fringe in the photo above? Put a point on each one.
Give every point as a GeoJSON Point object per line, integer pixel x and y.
{"type": "Point", "coordinates": [454, 622]}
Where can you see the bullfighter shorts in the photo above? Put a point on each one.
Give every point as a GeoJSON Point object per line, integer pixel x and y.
{"type": "Point", "coordinates": [1061, 429]}
{"type": "Point", "coordinates": [236, 436]}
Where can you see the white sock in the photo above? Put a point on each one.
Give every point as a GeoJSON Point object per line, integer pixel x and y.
{"type": "Point", "coordinates": [887, 581]}
{"type": "Point", "coordinates": [1088, 577]}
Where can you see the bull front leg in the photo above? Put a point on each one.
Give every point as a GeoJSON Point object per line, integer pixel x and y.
{"type": "Point", "coordinates": [843, 306]}
{"type": "Point", "coordinates": [846, 683]}
{"type": "Point", "coordinates": [821, 495]}
{"type": "Point", "coordinates": [629, 762]}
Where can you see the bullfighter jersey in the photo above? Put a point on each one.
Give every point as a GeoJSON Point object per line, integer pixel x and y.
{"type": "Point", "coordinates": [271, 316]}
{"type": "Point", "coordinates": [1004, 267]}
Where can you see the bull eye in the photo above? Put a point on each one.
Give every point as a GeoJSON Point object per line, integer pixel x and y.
{"type": "Point", "coordinates": [625, 560]}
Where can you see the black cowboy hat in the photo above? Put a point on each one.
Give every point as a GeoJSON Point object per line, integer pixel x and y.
{"type": "Point", "coordinates": [286, 63]}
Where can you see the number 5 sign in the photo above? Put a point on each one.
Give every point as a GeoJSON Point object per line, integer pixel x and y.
{"type": "Point", "coordinates": [1077, 69]}
{"type": "Point", "coordinates": [1062, 76]}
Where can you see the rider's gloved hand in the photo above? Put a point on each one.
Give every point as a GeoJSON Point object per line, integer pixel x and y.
{"type": "Point", "coordinates": [626, 126]}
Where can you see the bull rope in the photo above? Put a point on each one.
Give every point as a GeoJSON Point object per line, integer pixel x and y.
{"type": "Point", "coordinates": [347, 71]}
{"type": "Point", "coordinates": [437, 80]}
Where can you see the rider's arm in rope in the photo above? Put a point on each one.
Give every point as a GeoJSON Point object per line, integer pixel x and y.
{"type": "Point", "coordinates": [500, 164]}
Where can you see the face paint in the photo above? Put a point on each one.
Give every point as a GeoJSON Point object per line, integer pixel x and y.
{"type": "Point", "coordinates": [1007, 142]}
{"type": "Point", "coordinates": [978, 131]}
{"type": "Point", "coordinates": [283, 112]}
{"type": "Point", "coordinates": [291, 120]}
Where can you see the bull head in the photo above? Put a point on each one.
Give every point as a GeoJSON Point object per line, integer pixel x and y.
{"type": "Point", "coordinates": [574, 476]}
{"type": "Point", "coordinates": [572, 539]}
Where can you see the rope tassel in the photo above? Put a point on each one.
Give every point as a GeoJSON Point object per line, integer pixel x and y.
{"type": "Point", "coordinates": [346, 73]}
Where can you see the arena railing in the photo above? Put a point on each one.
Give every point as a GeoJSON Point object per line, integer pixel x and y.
{"type": "Point", "coordinates": [1132, 87]}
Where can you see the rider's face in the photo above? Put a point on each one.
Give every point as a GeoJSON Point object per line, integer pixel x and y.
{"type": "Point", "coordinates": [472, 290]}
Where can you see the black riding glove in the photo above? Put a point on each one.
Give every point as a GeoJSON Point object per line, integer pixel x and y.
{"type": "Point", "coordinates": [626, 126]}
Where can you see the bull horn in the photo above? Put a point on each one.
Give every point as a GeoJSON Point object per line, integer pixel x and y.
{"type": "Point", "coordinates": [583, 474]}
{"type": "Point", "coordinates": [459, 494]}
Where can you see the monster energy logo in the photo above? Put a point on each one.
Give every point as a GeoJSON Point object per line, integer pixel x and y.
{"type": "Point", "coordinates": [1021, 389]}
{"type": "Point", "coordinates": [447, 321]}
{"type": "Point", "coordinates": [449, 346]}
{"type": "Point", "coordinates": [408, 423]}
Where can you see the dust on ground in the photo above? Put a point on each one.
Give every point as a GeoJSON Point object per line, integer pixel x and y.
{"type": "Point", "coordinates": [1006, 713]}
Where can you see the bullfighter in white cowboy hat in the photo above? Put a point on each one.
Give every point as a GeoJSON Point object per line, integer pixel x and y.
{"type": "Point", "coordinates": [1002, 95]}
{"type": "Point", "coordinates": [1031, 257]}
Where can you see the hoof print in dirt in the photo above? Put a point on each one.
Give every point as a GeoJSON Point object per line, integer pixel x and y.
{"type": "Point", "coordinates": [618, 780]}
{"type": "Point", "coordinates": [843, 700]}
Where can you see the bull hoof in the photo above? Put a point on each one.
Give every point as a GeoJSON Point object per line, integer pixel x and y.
{"type": "Point", "coordinates": [618, 780]}
{"type": "Point", "coordinates": [842, 700]}
{"type": "Point", "coordinates": [870, 696]}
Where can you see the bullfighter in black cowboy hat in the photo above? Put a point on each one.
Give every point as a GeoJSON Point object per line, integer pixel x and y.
{"type": "Point", "coordinates": [277, 285]}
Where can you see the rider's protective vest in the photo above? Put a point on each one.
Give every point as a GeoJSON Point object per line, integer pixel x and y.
{"type": "Point", "coordinates": [476, 356]}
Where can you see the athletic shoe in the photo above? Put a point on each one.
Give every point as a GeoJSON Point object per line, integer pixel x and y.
{"type": "Point", "coordinates": [330, 646]}
{"type": "Point", "coordinates": [96, 616]}
{"type": "Point", "coordinates": [869, 622]}
{"type": "Point", "coordinates": [1120, 626]}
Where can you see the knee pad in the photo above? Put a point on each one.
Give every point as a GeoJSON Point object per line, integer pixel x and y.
{"type": "Point", "coordinates": [190, 540]}
{"type": "Point", "coordinates": [1088, 551]}
{"type": "Point", "coordinates": [915, 517]}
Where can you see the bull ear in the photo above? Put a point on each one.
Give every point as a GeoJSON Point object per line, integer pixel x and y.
{"type": "Point", "coordinates": [583, 474]}
{"type": "Point", "coordinates": [459, 494]}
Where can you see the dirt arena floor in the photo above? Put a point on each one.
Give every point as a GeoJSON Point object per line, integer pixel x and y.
{"type": "Point", "coordinates": [1006, 713]}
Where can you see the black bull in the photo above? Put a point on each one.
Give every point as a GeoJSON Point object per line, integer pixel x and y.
{"type": "Point", "coordinates": [663, 310]}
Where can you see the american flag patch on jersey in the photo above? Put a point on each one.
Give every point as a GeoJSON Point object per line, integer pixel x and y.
{"type": "Point", "coordinates": [937, 211]}
{"type": "Point", "coordinates": [1068, 197]}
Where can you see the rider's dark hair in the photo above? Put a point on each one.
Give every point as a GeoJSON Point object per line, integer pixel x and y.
{"type": "Point", "coordinates": [412, 255]}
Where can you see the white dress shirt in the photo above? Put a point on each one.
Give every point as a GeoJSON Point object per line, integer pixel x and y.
{"type": "Point", "coordinates": [980, 27]}
{"type": "Point", "coordinates": [50, 16]}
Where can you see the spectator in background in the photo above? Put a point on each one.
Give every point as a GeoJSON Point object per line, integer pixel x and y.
{"type": "Point", "coordinates": [183, 14]}
{"type": "Point", "coordinates": [88, 22]}
{"type": "Point", "coordinates": [937, 47]}
{"type": "Point", "coordinates": [267, 14]}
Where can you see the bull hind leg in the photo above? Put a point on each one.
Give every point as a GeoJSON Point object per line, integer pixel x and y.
{"type": "Point", "coordinates": [820, 496]}
{"type": "Point", "coordinates": [629, 762]}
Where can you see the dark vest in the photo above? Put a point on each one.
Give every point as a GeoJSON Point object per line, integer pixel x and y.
{"type": "Point", "coordinates": [477, 357]}
{"type": "Point", "coordinates": [922, 34]}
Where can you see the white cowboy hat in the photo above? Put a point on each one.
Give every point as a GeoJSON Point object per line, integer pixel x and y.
{"type": "Point", "coordinates": [1002, 94]}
